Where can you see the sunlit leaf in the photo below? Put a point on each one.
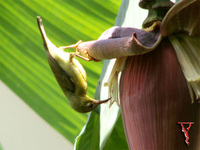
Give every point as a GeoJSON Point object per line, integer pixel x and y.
{"type": "Point", "coordinates": [24, 66]}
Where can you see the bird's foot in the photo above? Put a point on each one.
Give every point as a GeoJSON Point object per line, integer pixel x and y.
{"type": "Point", "coordinates": [70, 46]}
{"type": "Point", "coordinates": [84, 58]}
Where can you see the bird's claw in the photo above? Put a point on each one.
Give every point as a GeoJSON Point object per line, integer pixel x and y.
{"type": "Point", "coordinates": [71, 46]}
{"type": "Point", "coordinates": [77, 53]}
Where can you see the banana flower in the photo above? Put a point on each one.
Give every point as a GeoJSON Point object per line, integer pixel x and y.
{"type": "Point", "coordinates": [160, 77]}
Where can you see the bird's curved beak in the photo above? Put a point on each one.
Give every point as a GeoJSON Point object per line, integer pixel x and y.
{"type": "Point", "coordinates": [103, 101]}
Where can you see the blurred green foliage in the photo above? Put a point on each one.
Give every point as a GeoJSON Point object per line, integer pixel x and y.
{"type": "Point", "coordinates": [23, 63]}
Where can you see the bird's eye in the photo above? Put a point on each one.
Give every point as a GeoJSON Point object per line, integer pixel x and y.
{"type": "Point", "coordinates": [90, 105]}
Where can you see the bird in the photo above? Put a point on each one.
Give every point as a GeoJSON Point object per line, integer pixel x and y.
{"type": "Point", "coordinates": [69, 73]}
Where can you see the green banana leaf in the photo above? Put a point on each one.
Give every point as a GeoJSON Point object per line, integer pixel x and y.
{"type": "Point", "coordinates": [23, 63]}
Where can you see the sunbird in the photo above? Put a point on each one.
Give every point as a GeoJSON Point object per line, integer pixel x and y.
{"type": "Point", "coordinates": [70, 74]}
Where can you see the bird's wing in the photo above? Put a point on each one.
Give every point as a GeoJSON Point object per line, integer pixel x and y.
{"type": "Point", "coordinates": [61, 76]}
{"type": "Point", "coordinates": [63, 79]}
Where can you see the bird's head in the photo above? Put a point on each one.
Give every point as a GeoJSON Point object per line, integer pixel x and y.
{"type": "Point", "coordinates": [87, 104]}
